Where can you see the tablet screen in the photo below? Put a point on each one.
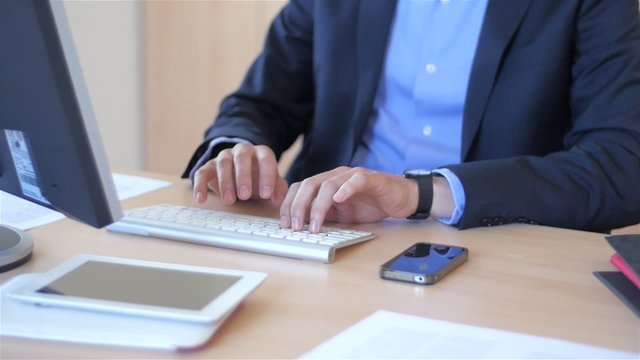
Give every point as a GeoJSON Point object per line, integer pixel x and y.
{"type": "Point", "coordinates": [141, 285]}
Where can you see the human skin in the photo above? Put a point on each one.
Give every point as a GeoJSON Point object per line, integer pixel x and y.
{"type": "Point", "coordinates": [344, 194]}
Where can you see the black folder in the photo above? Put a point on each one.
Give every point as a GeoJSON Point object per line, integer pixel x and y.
{"type": "Point", "coordinates": [628, 246]}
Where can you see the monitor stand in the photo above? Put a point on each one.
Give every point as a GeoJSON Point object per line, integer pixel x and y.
{"type": "Point", "coordinates": [16, 247]}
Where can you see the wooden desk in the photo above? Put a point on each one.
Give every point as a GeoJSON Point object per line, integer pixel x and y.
{"type": "Point", "coordinates": [528, 279]}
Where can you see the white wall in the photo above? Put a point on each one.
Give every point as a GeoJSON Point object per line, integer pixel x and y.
{"type": "Point", "coordinates": [108, 39]}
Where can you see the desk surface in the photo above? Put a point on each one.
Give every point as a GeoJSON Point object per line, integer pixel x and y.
{"type": "Point", "coordinates": [529, 279]}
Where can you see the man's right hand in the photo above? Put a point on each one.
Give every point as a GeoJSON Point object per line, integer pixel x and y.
{"type": "Point", "coordinates": [243, 172]}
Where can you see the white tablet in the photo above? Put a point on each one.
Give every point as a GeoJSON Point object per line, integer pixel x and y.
{"type": "Point", "coordinates": [143, 288]}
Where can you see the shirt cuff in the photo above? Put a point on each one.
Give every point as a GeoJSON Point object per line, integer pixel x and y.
{"type": "Point", "coordinates": [207, 154]}
{"type": "Point", "coordinates": [458, 196]}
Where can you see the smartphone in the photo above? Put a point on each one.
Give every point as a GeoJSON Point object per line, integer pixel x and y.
{"type": "Point", "coordinates": [424, 263]}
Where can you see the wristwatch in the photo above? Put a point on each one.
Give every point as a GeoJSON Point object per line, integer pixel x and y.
{"type": "Point", "coordinates": [424, 178]}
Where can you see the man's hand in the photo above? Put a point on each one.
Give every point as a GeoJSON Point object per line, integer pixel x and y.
{"type": "Point", "coordinates": [348, 195]}
{"type": "Point", "coordinates": [242, 172]}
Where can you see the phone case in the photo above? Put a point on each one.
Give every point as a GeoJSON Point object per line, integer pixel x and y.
{"type": "Point", "coordinates": [390, 271]}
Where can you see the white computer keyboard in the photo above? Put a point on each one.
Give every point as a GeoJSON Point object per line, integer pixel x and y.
{"type": "Point", "coordinates": [235, 231]}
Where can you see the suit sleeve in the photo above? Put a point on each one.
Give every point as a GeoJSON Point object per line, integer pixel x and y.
{"type": "Point", "coordinates": [594, 183]}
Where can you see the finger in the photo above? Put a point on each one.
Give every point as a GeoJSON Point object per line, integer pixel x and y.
{"type": "Point", "coordinates": [202, 178]}
{"type": "Point", "coordinates": [322, 203]}
{"type": "Point", "coordinates": [285, 208]}
{"type": "Point", "coordinates": [358, 182]}
{"type": "Point", "coordinates": [308, 193]}
{"type": "Point", "coordinates": [226, 177]}
{"type": "Point", "coordinates": [392, 195]}
{"type": "Point", "coordinates": [268, 171]}
{"type": "Point", "coordinates": [301, 202]}
{"type": "Point", "coordinates": [297, 202]}
{"type": "Point", "coordinates": [243, 155]}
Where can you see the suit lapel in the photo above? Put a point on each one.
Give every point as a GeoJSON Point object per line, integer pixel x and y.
{"type": "Point", "coordinates": [374, 23]}
{"type": "Point", "coordinates": [501, 20]}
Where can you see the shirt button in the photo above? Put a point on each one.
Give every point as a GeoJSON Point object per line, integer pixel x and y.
{"type": "Point", "coordinates": [430, 68]}
{"type": "Point", "coordinates": [426, 130]}
{"type": "Point", "coordinates": [444, 1]}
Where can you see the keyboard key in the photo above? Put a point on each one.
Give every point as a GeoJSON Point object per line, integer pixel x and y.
{"type": "Point", "coordinates": [236, 231]}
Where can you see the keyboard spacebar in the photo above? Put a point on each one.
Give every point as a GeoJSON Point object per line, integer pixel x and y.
{"type": "Point", "coordinates": [226, 239]}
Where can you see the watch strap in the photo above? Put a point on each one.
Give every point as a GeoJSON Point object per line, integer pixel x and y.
{"type": "Point", "coordinates": [425, 194]}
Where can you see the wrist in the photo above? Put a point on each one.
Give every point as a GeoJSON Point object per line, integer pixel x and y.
{"type": "Point", "coordinates": [443, 204]}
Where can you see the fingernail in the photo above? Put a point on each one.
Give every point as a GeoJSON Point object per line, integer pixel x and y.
{"type": "Point", "coordinates": [295, 223]}
{"type": "Point", "coordinates": [244, 192]}
{"type": "Point", "coordinates": [266, 192]}
{"type": "Point", "coordinates": [284, 221]}
{"type": "Point", "coordinates": [227, 197]}
{"type": "Point", "coordinates": [199, 197]}
{"type": "Point", "coordinates": [313, 226]}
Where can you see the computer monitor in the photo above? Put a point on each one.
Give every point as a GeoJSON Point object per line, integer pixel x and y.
{"type": "Point", "coordinates": [50, 149]}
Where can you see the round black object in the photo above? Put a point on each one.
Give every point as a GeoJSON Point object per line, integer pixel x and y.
{"type": "Point", "coordinates": [16, 247]}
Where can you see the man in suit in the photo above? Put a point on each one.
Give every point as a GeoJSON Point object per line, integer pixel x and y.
{"type": "Point", "coordinates": [503, 111]}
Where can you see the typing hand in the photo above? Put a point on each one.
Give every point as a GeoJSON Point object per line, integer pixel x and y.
{"type": "Point", "coordinates": [242, 172]}
{"type": "Point", "coordinates": [348, 195]}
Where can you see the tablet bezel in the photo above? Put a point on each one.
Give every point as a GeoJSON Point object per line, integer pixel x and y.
{"type": "Point", "coordinates": [214, 311]}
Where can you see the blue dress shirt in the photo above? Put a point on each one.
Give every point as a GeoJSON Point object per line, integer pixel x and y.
{"type": "Point", "coordinates": [418, 108]}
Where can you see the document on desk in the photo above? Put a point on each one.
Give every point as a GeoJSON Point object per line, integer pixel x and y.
{"type": "Point", "coordinates": [129, 186]}
{"type": "Point", "coordinates": [389, 335]}
{"type": "Point", "coordinates": [25, 215]}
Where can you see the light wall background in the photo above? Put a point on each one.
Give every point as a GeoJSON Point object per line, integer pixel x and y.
{"type": "Point", "coordinates": [196, 53]}
{"type": "Point", "coordinates": [156, 71]}
{"type": "Point", "coordinates": [108, 37]}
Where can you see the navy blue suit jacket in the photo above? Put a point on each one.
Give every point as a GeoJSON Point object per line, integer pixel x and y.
{"type": "Point", "coordinates": [551, 128]}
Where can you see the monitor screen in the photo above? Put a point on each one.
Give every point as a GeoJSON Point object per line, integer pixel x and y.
{"type": "Point", "coordinates": [50, 148]}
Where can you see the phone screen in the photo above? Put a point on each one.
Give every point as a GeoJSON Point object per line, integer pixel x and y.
{"type": "Point", "coordinates": [424, 263]}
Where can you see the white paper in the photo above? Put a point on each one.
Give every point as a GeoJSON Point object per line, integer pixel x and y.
{"type": "Point", "coordinates": [128, 186]}
{"type": "Point", "coordinates": [388, 335]}
{"type": "Point", "coordinates": [25, 215]}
